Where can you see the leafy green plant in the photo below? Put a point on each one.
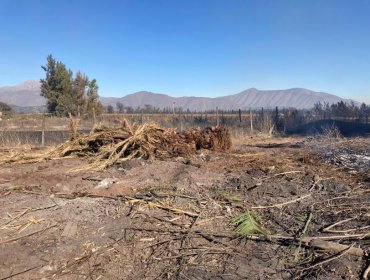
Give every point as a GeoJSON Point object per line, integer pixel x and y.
{"type": "Point", "coordinates": [247, 223]}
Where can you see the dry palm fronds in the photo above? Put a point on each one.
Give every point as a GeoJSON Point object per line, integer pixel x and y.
{"type": "Point", "coordinates": [107, 146]}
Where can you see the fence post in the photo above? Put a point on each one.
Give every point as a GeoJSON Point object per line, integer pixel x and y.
{"type": "Point", "coordinates": [173, 115]}
{"type": "Point", "coordinates": [180, 121]}
{"type": "Point", "coordinates": [251, 119]}
{"type": "Point", "coordinates": [43, 131]}
{"type": "Point", "coordinates": [217, 121]}
{"type": "Point", "coordinates": [94, 117]}
{"type": "Point", "coordinates": [240, 116]}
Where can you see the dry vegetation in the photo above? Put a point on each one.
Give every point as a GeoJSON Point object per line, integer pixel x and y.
{"type": "Point", "coordinates": [145, 202]}
{"type": "Point", "coordinates": [107, 146]}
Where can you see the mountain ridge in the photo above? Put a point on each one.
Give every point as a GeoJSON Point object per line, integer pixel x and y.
{"type": "Point", "coordinates": [27, 94]}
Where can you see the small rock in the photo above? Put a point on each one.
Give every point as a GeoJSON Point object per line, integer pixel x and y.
{"type": "Point", "coordinates": [106, 183]}
{"type": "Point", "coordinates": [227, 209]}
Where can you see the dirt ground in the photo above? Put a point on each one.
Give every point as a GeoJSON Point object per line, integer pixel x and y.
{"type": "Point", "coordinates": [172, 219]}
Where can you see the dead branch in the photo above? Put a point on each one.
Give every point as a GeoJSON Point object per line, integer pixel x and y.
{"type": "Point", "coordinates": [20, 272]}
{"type": "Point", "coordinates": [27, 235]}
{"type": "Point", "coordinates": [335, 247]}
{"type": "Point", "coordinates": [366, 273]}
{"type": "Point", "coordinates": [342, 253]}
{"type": "Point", "coordinates": [282, 204]}
{"type": "Point", "coordinates": [168, 208]}
{"type": "Point", "coordinates": [329, 228]}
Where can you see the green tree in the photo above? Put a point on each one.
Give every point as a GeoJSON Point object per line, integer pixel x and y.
{"type": "Point", "coordinates": [93, 103]}
{"type": "Point", "coordinates": [66, 94]}
{"type": "Point", "coordinates": [4, 107]}
{"type": "Point", "coordinates": [364, 113]}
{"type": "Point", "coordinates": [120, 107]}
{"type": "Point", "coordinates": [110, 109]}
{"type": "Point", "coordinates": [57, 87]}
{"type": "Point", "coordinates": [80, 84]}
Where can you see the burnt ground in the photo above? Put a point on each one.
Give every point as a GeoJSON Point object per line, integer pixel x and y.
{"type": "Point", "coordinates": [171, 219]}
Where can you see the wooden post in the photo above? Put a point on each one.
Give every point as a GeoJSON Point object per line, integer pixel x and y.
{"type": "Point", "coordinates": [217, 121]}
{"type": "Point", "coordinates": [94, 117]}
{"type": "Point", "coordinates": [173, 115]}
{"type": "Point", "coordinates": [43, 131]}
{"type": "Point", "coordinates": [240, 116]}
{"type": "Point", "coordinates": [180, 120]}
{"type": "Point", "coordinates": [251, 119]}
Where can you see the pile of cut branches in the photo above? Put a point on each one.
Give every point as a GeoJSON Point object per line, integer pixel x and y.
{"type": "Point", "coordinates": [107, 146]}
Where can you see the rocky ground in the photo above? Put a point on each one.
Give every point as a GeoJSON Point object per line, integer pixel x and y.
{"type": "Point", "coordinates": [172, 219]}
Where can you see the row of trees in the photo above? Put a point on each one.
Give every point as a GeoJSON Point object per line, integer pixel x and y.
{"type": "Point", "coordinates": [4, 107]}
{"type": "Point", "coordinates": [149, 109]}
{"type": "Point", "coordinates": [66, 93]}
{"type": "Point", "coordinates": [340, 110]}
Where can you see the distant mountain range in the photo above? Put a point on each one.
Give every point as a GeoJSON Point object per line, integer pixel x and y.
{"type": "Point", "coordinates": [26, 97]}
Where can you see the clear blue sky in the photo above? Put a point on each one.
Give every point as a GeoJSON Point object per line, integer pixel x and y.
{"type": "Point", "coordinates": [199, 47]}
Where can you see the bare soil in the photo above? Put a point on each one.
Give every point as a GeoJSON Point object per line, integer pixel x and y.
{"type": "Point", "coordinates": [171, 219]}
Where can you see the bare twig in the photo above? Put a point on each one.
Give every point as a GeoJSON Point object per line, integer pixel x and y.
{"type": "Point", "coordinates": [318, 180]}
{"type": "Point", "coordinates": [255, 237]}
{"type": "Point", "coordinates": [282, 204]}
{"type": "Point", "coordinates": [282, 173]}
{"type": "Point", "coordinates": [16, 217]}
{"type": "Point", "coordinates": [160, 206]}
{"type": "Point", "coordinates": [26, 211]}
{"type": "Point", "coordinates": [27, 235]}
{"type": "Point", "coordinates": [336, 237]}
{"type": "Point", "coordinates": [366, 273]}
{"type": "Point", "coordinates": [287, 172]}
{"type": "Point", "coordinates": [329, 228]}
{"type": "Point", "coordinates": [335, 247]}
{"type": "Point", "coordinates": [345, 251]}
{"type": "Point", "coordinates": [20, 272]}
{"type": "Point", "coordinates": [192, 254]}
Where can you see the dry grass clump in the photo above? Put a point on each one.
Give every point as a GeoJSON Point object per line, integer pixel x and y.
{"type": "Point", "coordinates": [107, 146]}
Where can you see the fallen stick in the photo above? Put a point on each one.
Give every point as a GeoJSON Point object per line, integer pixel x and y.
{"type": "Point", "coordinates": [317, 242]}
{"type": "Point", "coordinates": [329, 228]}
{"type": "Point", "coordinates": [287, 172]}
{"type": "Point", "coordinates": [282, 204]}
{"type": "Point", "coordinates": [16, 217]}
{"type": "Point", "coordinates": [27, 235]}
{"type": "Point", "coordinates": [164, 220]}
{"type": "Point", "coordinates": [6, 194]}
{"type": "Point", "coordinates": [20, 272]}
{"type": "Point", "coordinates": [336, 237]}
{"type": "Point", "coordinates": [256, 237]}
{"type": "Point", "coordinates": [27, 210]}
{"type": "Point", "coordinates": [335, 247]}
{"type": "Point", "coordinates": [171, 209]}
{"type": "Point", "coordinates": [342, 253]}
{"type": "Point", "coordinates": [366, 273]}
{"type": "Point", "coordinates": [191, 254]}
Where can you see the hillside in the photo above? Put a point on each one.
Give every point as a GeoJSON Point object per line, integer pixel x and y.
{"type": "Point", "coordinates": [250, 98]}
{"type": "Point", "coordinates": [27, 95]}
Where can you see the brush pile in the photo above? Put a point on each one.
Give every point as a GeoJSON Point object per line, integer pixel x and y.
{"type": "Point", "coordinates": [107, 146]}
